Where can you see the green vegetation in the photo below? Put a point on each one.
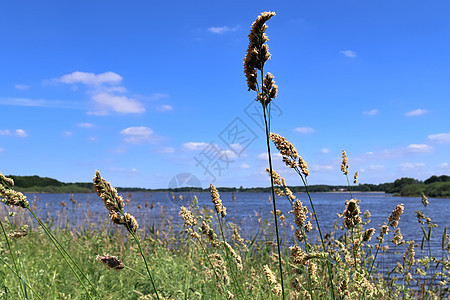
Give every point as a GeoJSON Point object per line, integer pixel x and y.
{"type": "Point", "coordinates": [435, 186]}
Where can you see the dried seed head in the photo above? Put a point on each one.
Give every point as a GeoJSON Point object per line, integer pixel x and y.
{"type": "Point", "coordinates": [234, 254]}
{"type": "Point", "coordinates": [257, 51]}
{"type": "Point", "coordinates": [7, 182]}
{"type": "Point", "coordinates": [107, 193]}
{"type": "Point", "coordinates": [308, 226]}
{"type": "Point", "coordinates": [218, 206]}
{"type": "Point", "coordinates": [297, 255]}
{"type": "Point", "coordinates": [131, 222]}
{"type": "Point", "coordinates": [18, 234]}
{"type": "Point", "coordinates": [12, 197]}
{"type": "Point", "coordinates": [206, 229]}
{"type": "Point", "coordinates": [271, 278]}
{"type": "Point", "coordinates": [283, 146]}
{"type": "Point", "coordinates": [409, 255]}
{"type": "Point", "coordinates": [114, 203]}
{"type": "Point", "coordinates": [383, 231]}
{"type": "Point", "coordinates": [424, 200]}
{"type": "Point", "coordinates": [355, 178]}
{"type": "Point", "coordinates": [398, 237]}
{"type": "Point", "coordinates": [351, 214]}
{"type": "Point", "coordinates": [300, 212]}
{"type": "Point", "coordinates": [276, 177]}
{"type": "Point", "coordinates": [303, 166]}
{"type": "Point", "coordinates": [188, 217]}
{"type": "Point", "coordinates": [112, 262]}
{"type": "Point", "coordinates": [344, 164]}
{"type": "Point", "coordinates": [395, 216]}
{"type": "Point", "coordinates": [277, 289]}
{"type": "Point", "coordinates": [368, 234]}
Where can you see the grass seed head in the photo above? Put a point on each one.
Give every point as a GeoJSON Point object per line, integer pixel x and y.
{"type": "Point", "coordinates": [368, 234]}
{"type": "Point", "coordinates": [218, 206]}
{"type": "Point", "coordinates": [187, 216]}
{"type": "Point", "coordinates": [344, 164]}
{"type": "Point", "coordinates": [12, 197]}
{"type": "Point", "coordinates": [395, 216]}
{"type": "Point", "coordinates": [112, 262]}
{"type": "Point", "coordinates": [257, 51]}
{"type": "Point", "coordinates": [300, 213]}
{"type": "Point", "coordinates": [7, 182]}
{"type": "Point", "coordinates": [351, 214]}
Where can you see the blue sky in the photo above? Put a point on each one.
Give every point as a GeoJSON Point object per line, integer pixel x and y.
{"type": "Point", "coordinates": [143, 91]}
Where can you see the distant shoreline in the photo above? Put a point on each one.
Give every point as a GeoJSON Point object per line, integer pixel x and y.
{"type": "Point", "coordinates": [435, 186]}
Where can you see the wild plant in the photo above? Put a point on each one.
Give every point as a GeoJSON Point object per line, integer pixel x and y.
{"type": "Point", "coordinates": [13, 198]}
{"type": "Point", "coordinates": [115, 205]}
{"type": "Point", "coordinates": [266, 90]}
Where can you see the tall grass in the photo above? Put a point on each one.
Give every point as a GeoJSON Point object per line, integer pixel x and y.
{"type": "Point", "coordinates": [206, 256]}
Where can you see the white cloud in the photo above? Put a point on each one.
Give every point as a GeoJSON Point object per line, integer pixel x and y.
{"type": "Point", "coordinates": [21, 86]}
{"type": "Point", "coordinates": [222, 29]}
{"type": "Point", "coordinates": [85, 125]}
{"type": "Point", "coordinates": [348, 53]}
{"type": "Point", "coordinates": [105, 91]}
{"type": "Point", "coordinates": [419, 148]}
{"type": "Point", "coordinates": [114, 89]}
{"type": "Point", "coordinates": [136, 135]}
{"type": "Point", "coordinates": [157, 96]}
{"type": "Point", "coordinates": [194, 145]}
{"type": "Point", "coordinates": [17, 132]}
{"type": "Point", "coordinates": [304, 130]}
{"type": "Point", "coordinates": [265, 156]}
{"type": "Point", "coordinates": [90, 78]}
{"type": "Point", "coordinates": [244, 166]}
{"type": "Point", "coordinates": [39, 103]}
{"type": "Point", "coordinates": [21, 133]}
{"type": "Point", "coordinates": [322, 168]}
{"type": "Point", "coordinates": [445, 166]}
{"type": "Point", "coordinates": [1, 149]}
{"type": "Point", "coordinates": [92, 139]}
{"type": "Point", "coordinates": [165, 107]}
{"type": "Point", "coordinates": [416, 112]}
{"type": "Point", "coordinates": [129, 172]}
{"type": "Point", "coordinates": [440, 137]}
{"type": "Point", "coordinates": [166, 150]}
{"type": "Point", "coordinates": [376, 168]}
{"type": "Point", "coordinates": [219, 30]}
{"type": "Point", "coordinates": [68, 133]}
{"type": "Point", "coordinates": [410, 166]}
{"type": "Point", "coordinates": [372, 112]}
{"type": "Point", "coordinates": [325, 150]}
{"type": "Point", "coordinates": [229, 154]}
{"type": "Point", "coordinates": [120, 104]}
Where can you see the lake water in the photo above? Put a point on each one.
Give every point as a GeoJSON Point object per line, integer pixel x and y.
{"type": "Point", "coordinates": [245, 210]}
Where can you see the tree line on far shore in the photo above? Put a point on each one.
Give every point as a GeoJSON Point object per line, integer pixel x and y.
{"type": "Point", "coordinates": [435, 186]}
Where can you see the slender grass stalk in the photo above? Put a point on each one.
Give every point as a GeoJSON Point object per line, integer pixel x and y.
{"type": "Point", "coordinates": [24, 286]}
{"type": "Point", "coordinates": [65, 255]}
{"type": "Point", "coordinates": [13, 256]}
{"type": "Point", "coordinates": [216, 277]}
{"type": "Point", "coordinates": [18, 199]}
{"type": "Point", "coordinates": [136, 239]}
{"type": "Point", "coordinates": [107, 192]}
{"type": "Point", "coordinates": [227, 252]}
{"type": "Point", "coordinates": [330, 272]}
{"type": "Point", "coordinates": [20, 277]}
{"type": "Point", "coordinates": [274, 202]}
